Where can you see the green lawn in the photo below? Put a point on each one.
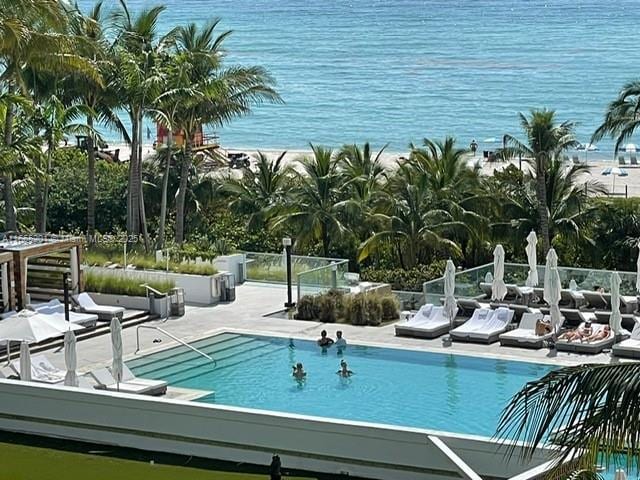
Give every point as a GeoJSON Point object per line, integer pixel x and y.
{"type": "Point", "coordinates": [19, 462]}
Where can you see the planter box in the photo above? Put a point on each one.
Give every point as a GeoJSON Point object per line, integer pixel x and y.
{"type": "Point", "coordinates": [198, 289]}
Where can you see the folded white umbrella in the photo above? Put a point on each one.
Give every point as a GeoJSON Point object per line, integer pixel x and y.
{"type": "Point", "coordinates": [450, 306]}
{"type": "Point", "coordinates": [70, 359]}
{"type": "Point", "coordinates": [532, 259]}
{"type": "Point", "coordinates": [615, 320]}
{"type": "Point", "coordinates": [25, 362]}
{"type": "Point", "coordinates": [116, 345]}
{"type": "Point", "coordinates": [638, 270]}
{"type": "Point", "coordinates": [498, 287]}
{"type": "Point", "coordinates": [553, 300]}
{"type": "Point", "coordinates": [629, 147]}
{"type": "Point", "coordinates": [552, 262]}
{"type": "Point", "coordinates": [34, 327]}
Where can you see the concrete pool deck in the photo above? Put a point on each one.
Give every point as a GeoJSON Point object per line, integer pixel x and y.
{"type": "Point", "coordinates": [254, 300]}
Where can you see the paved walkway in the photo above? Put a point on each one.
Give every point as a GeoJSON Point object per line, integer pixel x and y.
{"type": "Point", "coordinates": [246, 314]}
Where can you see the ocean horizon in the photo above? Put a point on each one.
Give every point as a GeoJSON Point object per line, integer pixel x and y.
{"type": "Point", "coordinates": [397, 71]}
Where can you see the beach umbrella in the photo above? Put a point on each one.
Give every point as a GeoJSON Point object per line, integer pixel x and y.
{"type": "Point", "coordinates": [498, 288]}
{"type": "Point", "coordinates": [615, 320]}
{"type": "Point", "coordinates": [70, 359]}
{"type": "Point", "coordinates": [614, 172]}
{"type": "Point", "coordinates": [25, 362]}
{"type": "Point", "coordinates": [33, 327]}
{"type": "Point", "coordinates": [450, 305]}
{"type": "Point", "coordinates": [638, 269]}
{"type": "Point", "coordinates": [553, 299]}
{"type": "Point", "coordinates": [629, 147]}
{"type": "Point", "coordinates": [532, 259]}
{"type": "Point", "coordinates": [116, 346]}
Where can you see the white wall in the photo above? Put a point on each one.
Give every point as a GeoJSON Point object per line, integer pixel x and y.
{"type": "Point", "coordinates": [242, 435]}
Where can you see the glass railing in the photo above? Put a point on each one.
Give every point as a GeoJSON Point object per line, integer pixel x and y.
{"type": "Point", "coordinates": [409, 300]}
{"type": "Point", "coordinates": [272, 267]}
{"type": "Point", "coordinates": [468, 281]}
{"type": "Point", "coordinates": [322, 279]}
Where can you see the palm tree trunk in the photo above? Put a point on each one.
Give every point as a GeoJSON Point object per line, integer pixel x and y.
{"type": "Point", "coordinates": [543, 211]}
{"type": "Point", "coordinates": [325, 241]}
{"type": "Point", "coordinates": [143, 214]}
{"type": "Point", "coordinates": [165, 188]}
{"type": "Point", "coordinates": [182, 189]}
{"type": "Point", "coordinates": [10, 221]}
{"type": "Point", "coordinates": [91, 186]}
{"type": "Point", "coordinates": [133, 212]}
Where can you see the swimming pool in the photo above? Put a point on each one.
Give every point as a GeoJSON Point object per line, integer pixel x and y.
{"type": "Point", "coordinates": [454, 393]}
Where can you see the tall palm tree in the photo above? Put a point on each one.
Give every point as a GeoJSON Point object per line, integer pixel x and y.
{"type": "Point", "coordinates": [260, 192]}
{"type": "Point", "coordinates": [313, 207]}
{"type": "Point", "coordinates": [225, 94]}
{"type": "Point", "coordinates": [586, 411]}
{"type": "Point", "coordinates": [546, 140]}
{"type": "Point", "coordinates": [622, 117]}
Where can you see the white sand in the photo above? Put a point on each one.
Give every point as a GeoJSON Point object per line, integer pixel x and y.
{"type": "Point", "coordinates": [629, 184]}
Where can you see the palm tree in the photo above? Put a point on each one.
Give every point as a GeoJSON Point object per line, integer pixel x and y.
{"type": "Point", "coordinates": [260, 192]}
{"type": "Point", "coordinates": [224, 94]}
{"type": "Point", "coordinates": [313, 208]}
{"type": "Point", "coordinates": [546, 140]}
{"type": "Point", "coordinates": [586, 411]}
{"type": "Point", "coordinates": [622, 117]}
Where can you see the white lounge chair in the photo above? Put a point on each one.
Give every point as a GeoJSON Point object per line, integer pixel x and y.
{"type": "Point", "coordinates": [421, 326]}
{"type": "Point", "coordinates": [107, 382]}
{"type": "Point", "coordinates": [56, 308]}
{"type": "Point", "coordinates": [42, 370]}
{"type": "Point", "coordinates": [629, 348]}
{"type": "Point", "coordinates": [105, 312]}
{"type": "Point", "coordinates": [484, 326]}
{"type": "Point", "coordinates": [578, 346]}
{"type": "Point", "coordinates": [159, 387]}
{"type": "Point", "coordinates": [7, 314]}
{"type": "Point", "coordinates": [525, 335]}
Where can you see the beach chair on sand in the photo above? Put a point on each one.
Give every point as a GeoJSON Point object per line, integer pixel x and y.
{"type": "Point", "coordinates": [485, 326]}
{"type": "Point", "coordinates": [421, 326]}
{"type": "Point", "coordinates": [621, 160]}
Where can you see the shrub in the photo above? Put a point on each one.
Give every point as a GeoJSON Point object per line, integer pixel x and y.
{"type": "Point", "coordinates": [390, 307]}
{"type": "Point", "coordinates": [374, 310]}
{"type": "Point", "coordinates": [306, 308]}
{"type": "Point", "coordinates": [408, 280]}
{"type": "Point", "coordinates": [356, 309]}
{"type": "Point", "coordinates": [123, 285]}
{"type": "Point", "coordinates": [327, 308]}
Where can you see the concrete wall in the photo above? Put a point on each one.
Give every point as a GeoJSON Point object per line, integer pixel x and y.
{"type": "Point", "coordinates": [242, 435]}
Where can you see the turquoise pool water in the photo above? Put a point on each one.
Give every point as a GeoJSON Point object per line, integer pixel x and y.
{"type": "Point", "coordinates": [391, 386]}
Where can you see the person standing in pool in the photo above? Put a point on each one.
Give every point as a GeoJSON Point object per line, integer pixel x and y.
{"type": "Point", "coordinates": [324, 341]}
{"type": "Point", "coordinates": [298, 372]}
{"type": "Point", "coordinates": [344, 370]}
{"type": "Point", "coordinates": [340, 341]}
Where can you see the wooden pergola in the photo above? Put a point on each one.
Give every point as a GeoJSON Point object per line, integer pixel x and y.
{"type": "Point", "coordinates": [52, 253]}
{"type": "Point", "coordinates": [6, 261]}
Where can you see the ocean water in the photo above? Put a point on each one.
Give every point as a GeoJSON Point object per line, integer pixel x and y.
{"type": "Point", "coordinates": [390, 386]}
{"type": "Point", "coordinates": [398, 70]}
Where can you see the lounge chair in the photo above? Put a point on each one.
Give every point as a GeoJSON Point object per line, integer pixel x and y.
{"type": "Point", "coordinates": [621, 160]}
{"type": "Point", "coordinates": [485, 326]}
{"type": "Point", "coordinates": [487, 289]}
{"type": "Point", "coordinates": [105, 312]}
{"type": "Point", "coordinates": [633, 159]}
{"type": "Point", "coordinates": [629, 348]}
{"type": "Point", "coordinates": [469, 305]}
{"type": "Point", "coordinates": [525, 335]}
{"type": "Point", "coordinates": [42, 370]}
{"type": "Point", "coordinates": [56, 308]}
{"type": "Point", "coordinates": [421, 326]}
{"type": "Point", "coordinates": [596, 299]}
{"type": "Point", "coordinates": [587, 347]}
{"type": "Point", "coordinates": [107, 382]}
{"type": "Point", "coordinates": [158, 387]}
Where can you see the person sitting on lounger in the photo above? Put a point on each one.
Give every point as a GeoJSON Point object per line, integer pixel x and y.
{"type": "Point", "coordinates": [298, 372]}
{"type": "Point", "coordinates": [324, 341]}
{"type": "Point", "coordinates": [600, 335]}
{"type": "Point", "coordinates": [344, 370]}
{"type": "Point", "coordinates": [578, 333]}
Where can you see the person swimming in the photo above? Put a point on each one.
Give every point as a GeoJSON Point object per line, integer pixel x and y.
{"type": "Point", "coordinates": [298, 372]}
{"type": "Point", "coordinates": [324, 341]}
{"type": "Point", "coordinates": [344, 370]}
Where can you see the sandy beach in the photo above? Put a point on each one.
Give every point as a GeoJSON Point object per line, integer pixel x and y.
{"type": "Point", "coordinates": [628, 185]}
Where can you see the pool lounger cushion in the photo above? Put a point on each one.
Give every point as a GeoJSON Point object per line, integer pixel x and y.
{"type": "Point", "coordinates": [587, 347]}
{"type": "Point", "coordinates": [525, 335]}
{"type": "Point", "coordinates": [107, 382]}
{"type": "Point", "coordinates": [629, 348]}
{"type": "Point", "coordinates": [159, 387]}
{"type": "Point", "coordinates": [485, 326]}
{"type": "Point", "coordinates": [433, 326]}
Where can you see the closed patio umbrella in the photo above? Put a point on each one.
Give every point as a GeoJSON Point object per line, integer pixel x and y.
{"type": "Point", "coordinates": [70, 359]}
{"type": "Point", "coordinates": [638, 270]}
{"type": "Point", "coordinates": [552, 262]}
{"type": "Point", "coordinates": [554, 298]}
{"type": "Point", "coordinates": [116, 345]}
{"type": "Point", "coordinates": [615, 320]}
{"type": "Point", "coordinates": [498, 288]}
{"type": "Point", "coordinates": [450, 304]}
{"type": "Point", "coordinates": [532, 259]}
{"type": "Point", "coordinates": [25, 361]}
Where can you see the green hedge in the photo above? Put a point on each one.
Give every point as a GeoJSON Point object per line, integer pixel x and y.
{"type": "Point", "coordinates": [408, 280]}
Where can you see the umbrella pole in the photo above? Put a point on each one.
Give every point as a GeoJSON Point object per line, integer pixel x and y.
{"type": "Point", "coordinates": [8, 352]}
{"type": "Point", "coordinates": [613, 189]}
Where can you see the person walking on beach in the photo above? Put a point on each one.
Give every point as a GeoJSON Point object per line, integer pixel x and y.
{"type": "Point", "coordinates": [474, 147]}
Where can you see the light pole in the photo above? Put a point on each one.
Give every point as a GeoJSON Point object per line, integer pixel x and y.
{"type": "Point", "coordinates": [66, 281]}
{"type": "Point", "coordinates": [286, 242]}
